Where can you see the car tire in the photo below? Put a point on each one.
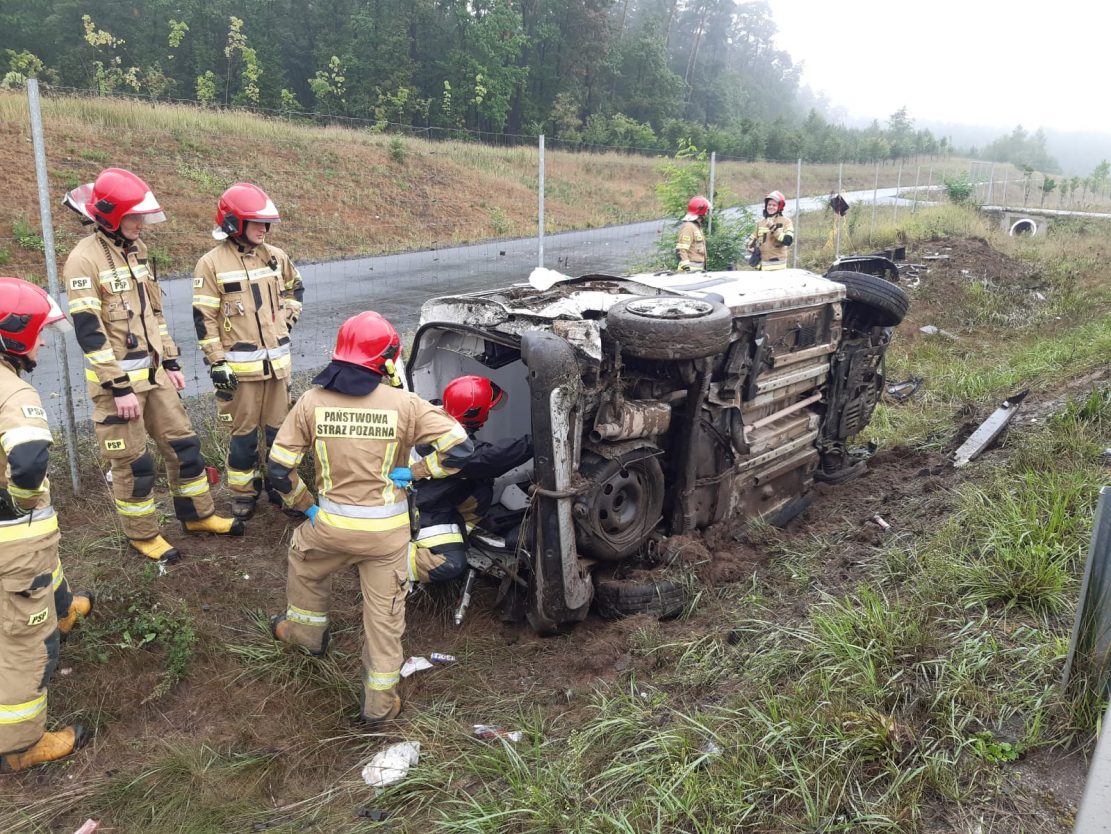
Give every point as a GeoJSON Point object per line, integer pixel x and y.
{"type": "Point", "coordinates": [616, 598]}
{"type": "Point", "coordinates": [881, 303]}
{"type": "Point", "coordinates": [670, 327]}
{"type": "Point", "coordinates": [615, 517]}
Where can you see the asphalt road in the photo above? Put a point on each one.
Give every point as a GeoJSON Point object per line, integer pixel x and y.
{"type": "Point", "coordinates": [396, 286]}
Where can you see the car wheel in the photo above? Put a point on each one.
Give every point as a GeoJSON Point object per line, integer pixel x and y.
{"type": "Point", "coordinates": [880, 302]}
{"type": "Point", "coordinates": [670, 327]}
{"type": "Point", "coordinates": [615, 517]}
{"type": "Point", "coordinates": [616, 597]}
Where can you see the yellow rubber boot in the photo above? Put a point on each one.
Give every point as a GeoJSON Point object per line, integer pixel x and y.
{"type": "Point", "coordinates": [81, 607]}
{"type": "Point", "coordinates": [375, 721]}
{"type": "Point", "coordinates": [49, 748]}
{"type": "Point", "coordinates": [156, 549]}
{"type": "Point", "coordinates": [217, 525]}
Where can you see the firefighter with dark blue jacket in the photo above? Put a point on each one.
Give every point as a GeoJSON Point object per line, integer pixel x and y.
{"type": "Point", "coordinates": [451, 507]}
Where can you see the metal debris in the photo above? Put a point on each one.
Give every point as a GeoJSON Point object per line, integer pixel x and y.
{"type": "Point", "coordinates": [989, 430]}
{"type": "Point", "coordinates": [902, 391]}
{"type": "Point", "coordinates": [935, 257]}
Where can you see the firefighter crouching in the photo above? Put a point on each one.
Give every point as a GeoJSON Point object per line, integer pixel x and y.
{"type": "Point", "coordinates": [132, 367]}
{"type": "Point", "coordinates": [450, 508]}
{"type": "Point", "coordinates": [36, 604]}
{"type": "Point", "coordinates": [359, 430]}
{"type": "Point", "coordinates": [246, 297]}
{"type": "Point", "coordinates": [774, 235]}
{"type": "Point", "coordinates": [690, 246]}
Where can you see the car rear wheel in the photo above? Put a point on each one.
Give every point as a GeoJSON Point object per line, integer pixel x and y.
{"type": "Point", "coordinates": [670, 327]}
{"type": "Point", "coordinates": [877, 301]}
{"type": "Point", "coordinates": [616, 596]}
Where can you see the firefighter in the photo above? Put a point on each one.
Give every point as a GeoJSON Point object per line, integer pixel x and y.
{"type": "Point", "coordinates": [132, 368]}
{"type": "Point", "coordinates": [246, 298]}
{"type": "Point", "coordinates": [774, 235]}
{"type": "Point", "coordinates": [450, 508]}
{"type": "Point", "coordinates": [691, 243]}
{"type": "Point", "coordinates": [35, 591]}
{"type": "Point", "coordinates": [359, 429]}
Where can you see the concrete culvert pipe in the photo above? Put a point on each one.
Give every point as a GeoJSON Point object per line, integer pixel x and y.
{"type": "Point", "coordinates": [1023, 227]}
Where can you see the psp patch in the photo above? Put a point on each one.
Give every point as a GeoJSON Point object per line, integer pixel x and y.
{"type": "Point", "coordinates": [198, 281]}
{"type": "Point", "coordinates": [114, 445]}
{"type": "Point", "coordinates": [80, 283]}
{"type": "Point", "coordinates": [34, 412]}
{"type": "Point", "coordinates": [39, 618]}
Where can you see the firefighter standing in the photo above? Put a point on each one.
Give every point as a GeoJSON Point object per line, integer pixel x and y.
{"type": "Point", "coordinates": [132, 368]}
{"type": "Point", "coordinates": [774, 234]}
{"type": "Point", "coordinates": [359, 429]}
{"type": "Point", "coordinates": [450, 508]}
{"type": "Point", "coordinates": [246, 298]}
{"type": "Point", "coordinates": [34, 588]}
{"type": "Point", "coordinates": [690, 246]}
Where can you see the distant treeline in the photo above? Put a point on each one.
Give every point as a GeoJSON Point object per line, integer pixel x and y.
{"type": "Point", "coordinates": [628, 73]}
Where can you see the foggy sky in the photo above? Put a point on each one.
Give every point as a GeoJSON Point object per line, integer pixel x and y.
{"type": "Point", "coordinates": [980, 62]}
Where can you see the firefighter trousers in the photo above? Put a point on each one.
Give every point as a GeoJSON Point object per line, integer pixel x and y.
{"type": "Point", "coordinates": [253, 406]}
{"type": "Point", "coordinates": [30, 575]}
{"type": "Point", "coordinates": [123, 443]}
{"type": "Point", "coordinates": [384, 584]}
{"type": "Point", "coordinates": [441, 543]}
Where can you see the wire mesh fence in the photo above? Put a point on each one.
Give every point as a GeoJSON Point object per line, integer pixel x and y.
{"type": "Point", "coordinates": [385, 221]}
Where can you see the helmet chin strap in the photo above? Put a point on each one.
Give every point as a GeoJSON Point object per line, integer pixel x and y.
{"type": "Point", "coordinates": [114, 235]}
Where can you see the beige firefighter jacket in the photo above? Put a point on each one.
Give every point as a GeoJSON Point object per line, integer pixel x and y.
{"type": "Point", "coordinates": [112, 293]}
{"type": "Point", "coordinates": [245, 302]}
{"type": "Point", "coordinates": [357, 441]}
{"type": "Point", "coordinates": [691, 246]}
{"type": "Point", "coordinates": [769, 236]}
{"type": "Point", "coordinates": [25, 441]}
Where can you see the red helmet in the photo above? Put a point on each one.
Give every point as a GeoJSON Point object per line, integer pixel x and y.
{"type": "Point", "coordinates": [780, 202]}
{"type": "Point", "coordinates": [25, 310]}
{"type": "Point", "coordinates": [118, 193]}
{"type": "Point", "coordinates": [697, 207]}
{"type": "Point", "coordinates": [239, 204]}
{"type": "Point", "coordinates": [469, 399]}
{"type": "Point", "coordinates": [368, 340]}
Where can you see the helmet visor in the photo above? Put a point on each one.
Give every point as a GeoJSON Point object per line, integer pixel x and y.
{"type": "Point", "coordinates": [56, 321]}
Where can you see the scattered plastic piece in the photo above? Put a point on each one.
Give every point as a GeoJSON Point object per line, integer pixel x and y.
{"type": "Point", "coordinates": [711, 748]}
{"type": "Point", "coordinates": [372, 814]}
{"type": "Point", "coordinates": [213, 475]}
{"type": "Point", "coordinates": [439, 657]}
{"type": "Point", "coordinates": [879, 522]}
{"type": "Point", "coordinates": [89, 827]}
{"type": "Point", "coordinates": [930, 330]}
{"type": "Point", "coordinates": [392, 764]}
{"type": "Point", "coordinates": [990, 429]}
{"type": "Point", "coordinates": [415, 664]}
{"type": "Point", "coordinates": [489, 731]}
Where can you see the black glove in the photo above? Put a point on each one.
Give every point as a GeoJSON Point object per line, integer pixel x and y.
{"type": "Point", "coordinates": [171, 365]}
{"type": "Point", "coordinates": [223, 377]}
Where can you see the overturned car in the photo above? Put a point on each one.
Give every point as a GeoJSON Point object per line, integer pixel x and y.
{"type": "Point", "coordinates": [658, 404]}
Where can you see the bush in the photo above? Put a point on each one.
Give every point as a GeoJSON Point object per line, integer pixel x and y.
{"type": "Point", "coordinates": [959, 188]}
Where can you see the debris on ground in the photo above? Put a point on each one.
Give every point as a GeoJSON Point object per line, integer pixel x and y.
{"type": "Point", "coordinates": [372, 814]}
{"type": "Point", "coordinates": [415, 664]}
{"type": "Point", "coordinates": [902, 391]}
{"type": "Point", "coordinates": [491, 731]}
{"type": "Point", "coordinates": [935, 257]}
{"type": "Point", "coordinates": [88, 827]}
{"type": "Point", "coordinates": [930, 330]}
{"type": "Point", "coordinates": [989, 430]}
{"type": "Point", "coordinates": [879, 522]}
{"type": "Point", "coordinates": [392, 764]}
{"type": "Point", "coordinates": [440, 658]}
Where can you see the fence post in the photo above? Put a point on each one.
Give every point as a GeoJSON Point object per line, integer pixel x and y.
{"type": "Point", "coordinates": [917, 175]}
{"type": "Point", "coordinates": [991, 183]}
{"type": "Point", "coordinates": [930, 184]}
{"type": "Point", "coordinates": [875, 197]}
{"type": "Point", "coordinates": [798, 212]}
{"type": "Point", "coordinates": [540, 209]}
{"type": "Point", "coordinates": [837, 217]}
{"type": "Point", "coordinates": [1006, 176]}
{"type": "Point", "coordinates": [52, 273]}
{"type": "Point", "coordinates": [895, 202]}
{"type": "Point", "coordinates": [1091, 628]}
{"type": "Point", "coordinates": [713, 171]}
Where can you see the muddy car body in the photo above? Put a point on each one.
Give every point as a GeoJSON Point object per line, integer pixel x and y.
{"type": "Point", "coordinates": [658, 404]}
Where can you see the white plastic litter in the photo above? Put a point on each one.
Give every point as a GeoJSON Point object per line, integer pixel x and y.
{"type": "Point", "coordinates": [543, 278]}
{"type": "Point", "coordinates": [415, 664]}
{"type": "Point", "coordinates": [392, 764]}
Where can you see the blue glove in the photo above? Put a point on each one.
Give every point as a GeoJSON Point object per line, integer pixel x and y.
{"type": "Point", "coordinates": [402, 477]}
{"type": "Point", "coordinates": [311, 513]}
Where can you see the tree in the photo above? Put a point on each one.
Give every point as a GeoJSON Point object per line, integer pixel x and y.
{"type": "Point", "coordinates": [1048, 184]}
